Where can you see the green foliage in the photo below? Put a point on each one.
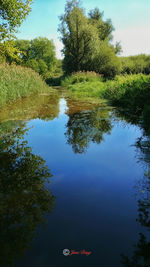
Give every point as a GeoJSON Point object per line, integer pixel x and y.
{"type": "Point", "coordinates": [129, 91]}
{"type": "Point", "coordinates": [33, 64]}
{"type": "Point", "coordinates": [78, 37]}
{"type": "Point", "coordinates": [17, 82]}
{"type": "Point", "coordinates": [132, 92]}
{"type": "Point", "coordinates": [43, 49]}
{"type": "Point", "coordinates": [135, 64]}
{"type": "Point", "coordinates": [86, 40]}
{"type": "Point", "coordinates": [43, 68]}
{"type": "Point", "coordinates": [79, 77]}
{"type": "Point", "coordinates": [24, 47]}
{"type": "Point", "coordinates": [55, 78]}
{"type": "Point", "coordinates": [105, 61]}
{"type": "Point", "coordinates": [105, 28]}
{"type": "Point", "coordinates": [38, 54]}
{"type": "Point", "coordinates": [9, 52]}
{"type": "Point", "coordinates": [12, 14]}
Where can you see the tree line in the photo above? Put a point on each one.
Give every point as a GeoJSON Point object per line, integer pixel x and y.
{"type": "Point", "coordinates": [87, 40]}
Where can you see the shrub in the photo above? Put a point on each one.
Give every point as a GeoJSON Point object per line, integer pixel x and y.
{"type": "Point", "coordinates": [80, 76]}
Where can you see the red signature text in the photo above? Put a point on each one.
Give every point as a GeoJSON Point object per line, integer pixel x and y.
{"type": "Point", "coordinates": [81, 252]}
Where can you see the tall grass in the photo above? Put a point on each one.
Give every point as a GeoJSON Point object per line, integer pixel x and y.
{"type": "Point", "coordinates": [17, 82]}
{"type": "Point", "coordinates": [129, 90]}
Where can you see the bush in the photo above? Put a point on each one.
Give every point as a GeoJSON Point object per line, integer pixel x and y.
{"type": "Point", "coordinates": [79, 77]}
{"type": "Point", "coordinates": [130, 90]}
{"type": "Point", "coordinates": [135, 64]}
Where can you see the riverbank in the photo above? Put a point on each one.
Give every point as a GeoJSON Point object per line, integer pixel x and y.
{"type": "Point", "coordinates": [19, 82]}
{"type": "Point", "coordinates": [130, 92]}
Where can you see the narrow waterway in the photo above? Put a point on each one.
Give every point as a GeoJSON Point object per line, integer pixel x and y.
{"type": "Point", "coordinates": [71, 177]}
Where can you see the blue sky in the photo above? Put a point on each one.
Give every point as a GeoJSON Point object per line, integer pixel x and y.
{"type": "Point", "coordinates": [131, 19]}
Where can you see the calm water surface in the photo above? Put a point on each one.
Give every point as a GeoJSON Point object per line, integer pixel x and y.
{"type": "Point", "coordinates": [71, 178]}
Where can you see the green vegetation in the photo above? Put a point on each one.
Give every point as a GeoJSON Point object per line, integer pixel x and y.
{"type": "Point", "coordinates": [89, 61]}
{"type": "Point", "coordinates": [128, 90]}
{"type": "Point", "coordinates": [86, 41]}
{"type": "Point", "coordinates": [17, 82]}
{"type": "Point", "coordinates": [38, 54]}
{"type": "Point", "coordinates": [135, 64]}
{"type": "Point", "coordinates": [79, 77]}
{"type": "Point", "coordinates": [131, 92]}
{"type": "Point", "coordinates": [12, 14]}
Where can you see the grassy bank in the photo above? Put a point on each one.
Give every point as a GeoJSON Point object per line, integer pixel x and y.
{"type": "Point", "coordinates": [17, 82]}
{"type": "Point", "coordinates": [130, 92]}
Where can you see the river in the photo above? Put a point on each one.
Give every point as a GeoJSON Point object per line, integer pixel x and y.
{"type": "Point", "coordinates": [72, 177]}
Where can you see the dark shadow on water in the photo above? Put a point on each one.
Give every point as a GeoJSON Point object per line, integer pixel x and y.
{"type": "Point", "coordinates": [141, 254]}
{"type": "Point", "coordinates": [24, 199]}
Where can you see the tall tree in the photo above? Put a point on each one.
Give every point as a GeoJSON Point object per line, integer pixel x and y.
{"type": "Point", "coordinates": [78, 37]}
{"type": "Point", "coordinates": [85, 39]}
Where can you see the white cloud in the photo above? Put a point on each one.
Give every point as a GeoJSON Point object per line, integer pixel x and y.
{"type": "Point", "coordinates": [134, 40]}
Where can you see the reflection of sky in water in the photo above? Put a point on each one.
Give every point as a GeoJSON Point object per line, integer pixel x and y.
{"type": "Point", "coordinates": [62, 106]}
{"type": "Point", "coordinates": [96, 208]}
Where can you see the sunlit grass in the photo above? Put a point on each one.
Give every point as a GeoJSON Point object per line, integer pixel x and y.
{"type": "Point", "coordinates": [123, 90]}
{"type": "Point", "coordinates": [17, 82]}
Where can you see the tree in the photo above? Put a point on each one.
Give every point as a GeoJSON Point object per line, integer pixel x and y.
{"type": "Point", "coordinates": [24, 47]}
{"type": "Point", "coordinates": [105, 28]}
{"type": "Point", "coordinates": [78, 37]}
{"type": "Point", "coordinates": [84, 38]}
{"type": "Point", "coordinates": [105, 61]}
{"type": "Point", "coordinates": [38, 54]}
{"type": "Point", "coordinates": [12, 14]}
{"type": "Point", "coordinates": [42, 48]}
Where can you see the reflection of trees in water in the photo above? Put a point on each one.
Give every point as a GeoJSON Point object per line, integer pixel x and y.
{"type": "Point", "coordinates": [45, 107]}
{"type": "Point", "coordinates": [87, 126]}
{"type": "Point", "coordinates": [24, 200]}
{"type": "Point", "coordinates": [141, 254]}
